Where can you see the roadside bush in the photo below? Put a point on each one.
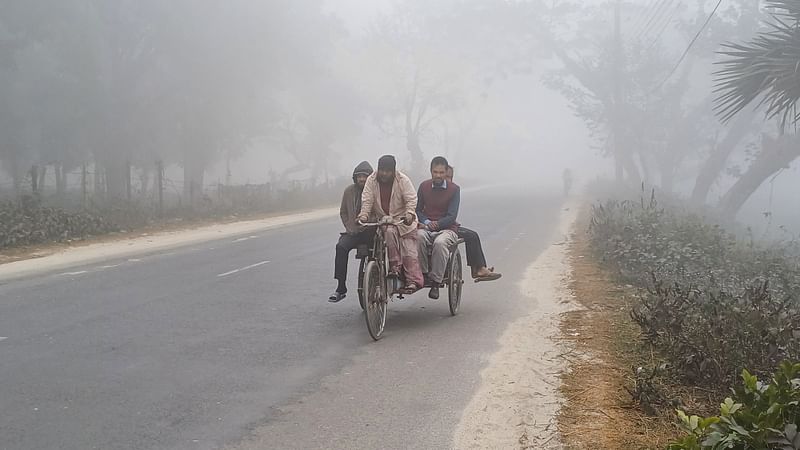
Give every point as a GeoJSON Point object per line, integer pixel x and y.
{"type": "Point", "coordinates": [759, 416]}
{"type": "Point", "coordinates": [713, 304]}
{"type": "Point", "coordinates": [33, 220]}
{"type": "Point", "coordinates": [709, 334]}
{"type": "Point", "coordinates": [27, 222]}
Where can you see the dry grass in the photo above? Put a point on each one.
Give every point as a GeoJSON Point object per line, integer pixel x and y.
{"type": "Point", "coordinates": [599, 413]}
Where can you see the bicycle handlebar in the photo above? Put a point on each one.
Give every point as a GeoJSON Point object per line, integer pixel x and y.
{"type": "Point", "coordinates": [379, 223]}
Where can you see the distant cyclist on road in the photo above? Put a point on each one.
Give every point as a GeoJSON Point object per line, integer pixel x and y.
{"type": "Point", "coordinates": [566, 177]}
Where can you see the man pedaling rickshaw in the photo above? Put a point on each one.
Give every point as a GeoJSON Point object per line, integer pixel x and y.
{"type": "Point", "coordinates": [389, 192]}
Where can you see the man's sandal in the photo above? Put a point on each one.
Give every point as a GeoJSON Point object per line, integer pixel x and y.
{"type": "Point", "coordinates": [336, 297]}
{"type": "Point", "coordinates": [410, 288]}
{"type": "Point", "coordinates": [491, 277]}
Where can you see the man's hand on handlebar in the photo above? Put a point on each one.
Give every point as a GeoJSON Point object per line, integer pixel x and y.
{"type": "Point", "coordinates": [407, 219]}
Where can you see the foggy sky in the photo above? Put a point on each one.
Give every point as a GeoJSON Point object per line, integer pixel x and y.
{"type": "Point", "coordinates": [324, 87]}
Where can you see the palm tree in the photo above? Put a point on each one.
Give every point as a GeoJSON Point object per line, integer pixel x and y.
{"type": "Point", "coordinates": [767, 67]}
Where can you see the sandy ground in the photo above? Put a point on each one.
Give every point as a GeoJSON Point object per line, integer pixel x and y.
{"type": "Point", "coordinates": [518, 399]}
{"type": "Point", "coordinates": [92, 253]}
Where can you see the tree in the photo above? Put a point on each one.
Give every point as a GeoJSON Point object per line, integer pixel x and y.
{"type": "Point", "coordinates": [413, 81]}
{"type": "Point", "coordinates": [129, 82]}
{"type": "Point", "coordinates": [763, 71]}
{"type": "Point", "coordinates": [631, 94]}
{"type": "Point", "coordinates": [431, 65]}
{"type": "Point", "coordinates": [764, 67]}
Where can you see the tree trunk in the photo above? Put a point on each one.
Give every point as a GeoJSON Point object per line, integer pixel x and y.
{"type": "Point", "coordinates": [228, 168]}
{"type": "Point", "coordinates": [61, 180]}
{"type": "Point", "coordinates": [34, 179]}
{"type": "Point", "coordinates": [115, 180]}
{"type": "Point", "coordinates": [34, 174]}
{"type": "Point", "coordinates": [192, 183]}
{"type": "Point", "coordinates": [775, 154]}
{"type": "Point", "coordinates": [42, 175]}
{"type": "Point", "coordinates": [646, 173]}
{"type": "Point", "coordinates": [128, 181]}
{"type": "Point", "coordinates": [84, 186]}
{"type": "Point", "coordinates": [715, 164]}
{"type": "Point", "coordinates": [144, 181]}
{"type": "Point", "coordinates": [417, 158]}
{"type": "Point", "coordinates": [160, 186]}
{"type": "Point", "coordinates": [98, 180]}
{"type": "Point", "coordinates": [631, 169]}
{"type": "Point", "coordinates": [57, 170]}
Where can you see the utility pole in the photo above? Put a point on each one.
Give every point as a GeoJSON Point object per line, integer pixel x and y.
{"type": "Point", "coordinates": [615, 120]}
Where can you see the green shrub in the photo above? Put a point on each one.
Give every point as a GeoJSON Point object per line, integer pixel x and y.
{"type": "Point", "coordinates": [713, 304]}
{"type": "Point", "coordinates": [28, 223]}
{"type": "Point", "coordinates": [760, 416]}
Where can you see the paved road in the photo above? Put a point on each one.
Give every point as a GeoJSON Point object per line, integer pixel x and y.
{"type": "Point", "coordinates": [232, 344]}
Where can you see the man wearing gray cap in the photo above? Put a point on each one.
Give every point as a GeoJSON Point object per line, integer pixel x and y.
{"type": "Point", "coordinates": [354, 234]}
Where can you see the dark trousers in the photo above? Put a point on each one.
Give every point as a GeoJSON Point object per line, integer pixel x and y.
{"type": "Point", "coordinates": [346, 243]}
{"type": "Point", "coordinates": [472, 242]}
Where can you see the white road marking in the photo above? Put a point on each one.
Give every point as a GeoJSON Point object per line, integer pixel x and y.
{"type": "Point", "coordinates": [251, 266]}
{"type": "Point", "coordinates": [242, 239]}
{"type": "Point", "coordinates": [69, 274]}
{"type": "Point", "coordinates": [134, 260]}
{"type": "Point", "coordinates": [111, 266]}
{"type": "Point", "coordinates": [3, 338]}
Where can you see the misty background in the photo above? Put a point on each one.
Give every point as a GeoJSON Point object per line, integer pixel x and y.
{"type": "Point", "coordinates": [113, 101]}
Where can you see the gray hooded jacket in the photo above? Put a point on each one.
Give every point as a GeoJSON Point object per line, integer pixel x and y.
{"type": "Point", "coordinates": [351, 201]}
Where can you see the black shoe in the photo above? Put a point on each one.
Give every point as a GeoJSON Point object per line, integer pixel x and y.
{"type": "Point", "coordinates": [434, 293]}
{"type": "Point", "coordinates": [337, 296]}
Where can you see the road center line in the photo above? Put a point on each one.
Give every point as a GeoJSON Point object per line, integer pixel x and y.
{"type": "Point", "coordinates": [251, 266]}
{"type": "Point", "coordinates": [69, 274]}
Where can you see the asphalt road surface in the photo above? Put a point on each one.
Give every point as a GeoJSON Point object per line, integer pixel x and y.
{"type": "Point", "coordinates": [232, 344]}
